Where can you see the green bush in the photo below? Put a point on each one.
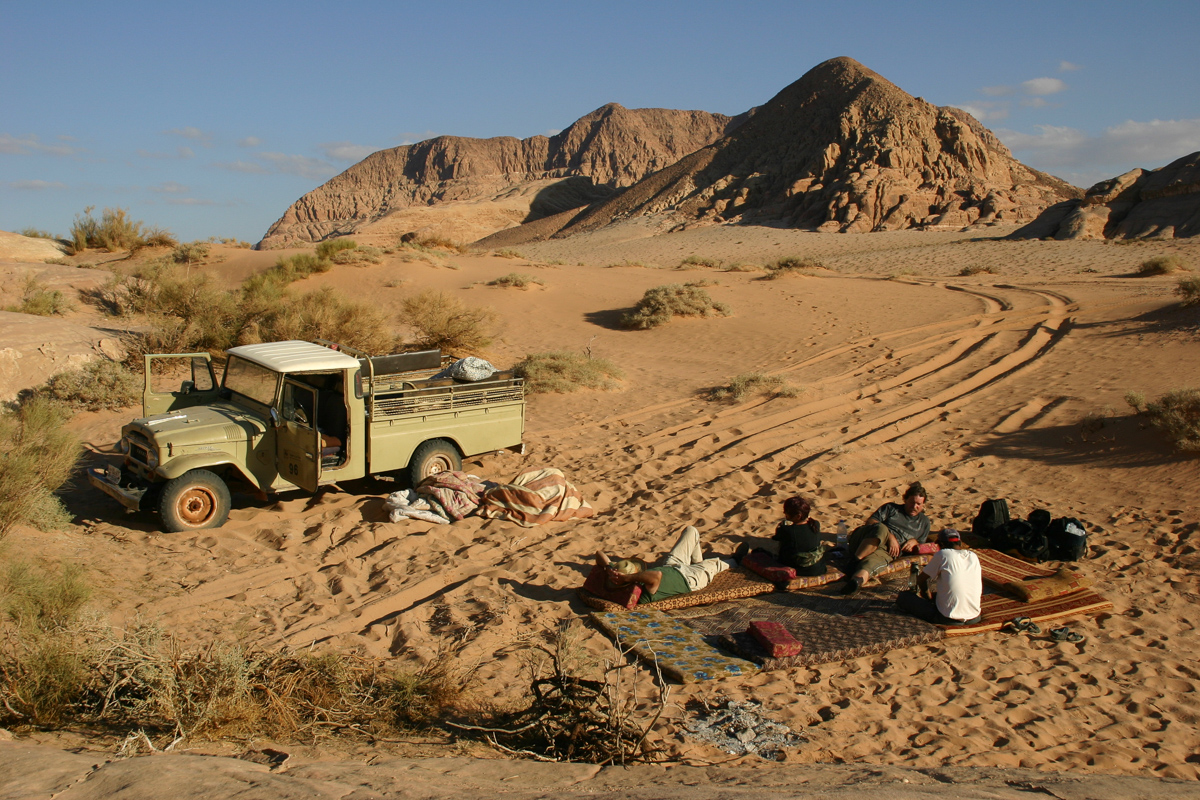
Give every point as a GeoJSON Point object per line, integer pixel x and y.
{"type": "Point", "coordinates": [190, 253]}
{"type": "Point", "coordinates": [97, 385]}
{"type": "Point", "coordinates": [1178, 414]}
{"type": "Point", "coordinates": [116, 231]}
{"type": "Point", "coordinates": [37, 456]}
{"type": "Point", "coordinates": [34, 233]}
{"type": "Point", "coordinates": [754, 383]}
{"type": "Point", "coordinates": [700, 261]}
{"type": "Point", "coordinates": [1161, 265]}
{"type": "Point", "coordinates": [660, 304]}
{"type": "Point", "coordinates": [444, 322]}
{"type": "Point", "coordinates": [516, 280]}
{"type": "Point", "coordinates": [363, 254]}
{"type": "Point", "coordinates": [324, 314]}
{"type": "Point", "coordinates": [1189, 290]}
{"type": "Point", "coordinates": [562, 371]}
{"type": "Point", "coordinates": [508, 253]}
{"type": "Point", "coordinates": [327, 249]}
{"type": "Point", "coordinates": [36, 299]}
{"type": "Point", "coordinates": [790, 265]}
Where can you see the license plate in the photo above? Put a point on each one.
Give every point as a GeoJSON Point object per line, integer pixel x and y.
{"type": "Point", "coordinates": [113, 474]}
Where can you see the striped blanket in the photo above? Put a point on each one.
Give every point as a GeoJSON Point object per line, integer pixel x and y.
{"type": "Point", "coordinates": [535, 497]}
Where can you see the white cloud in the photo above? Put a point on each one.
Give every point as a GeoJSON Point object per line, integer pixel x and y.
{"type": "Point", "coordinates": [180, 153]}
{"type": "Point", "coordinates": [1116, 150]}
{"type": "Point", "coordinates": [997, 91]}
{"type": "Point", "coordinates": [1067, 66]}
{"type": "Point", "coordinates": [249, 141]}
{"type": "Point", "coordinates": [1043, 86]}
{"type": "Point", "coordinates": [553, 132]}
{"type": "Point", "coordinates": [170, 187]}
{"type": "Point", "coordinates": [346, 151]}
{"type": "Point", "coordinates": [191, 201]}
{"type": "Point", "coordinates": [304, 166]}
{"type": "Point", "coordinates": [202, 138]}
{"type": "Point", "coordinates": [248, 167]}
{"type": "Point", "coordinates": [24, 145]}
{"type": "Point", "coordinates": [985, 110]}
{"type": "Point", "coordinates": [1035, 102]}
{"type": "Point", "coordinates": [36, 185]}
{"type": "Point", "coordinates": [409, 137]}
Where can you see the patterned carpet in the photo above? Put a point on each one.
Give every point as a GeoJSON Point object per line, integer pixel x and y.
{"type": "Point", "coordinates": [677, 648]}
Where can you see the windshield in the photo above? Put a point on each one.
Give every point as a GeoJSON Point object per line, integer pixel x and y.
{"type": "Point", "coordinates": [251, 380]}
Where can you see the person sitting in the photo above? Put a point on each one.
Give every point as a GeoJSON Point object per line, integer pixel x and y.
{"type": "Point", "coordinates": [893, 531]}
{"type": "Point", "coordinates": [799, 537]}
{"type": "Point", "coordinates": [957, 582]}
{"type": "Point", "coordinates": [683, 570]}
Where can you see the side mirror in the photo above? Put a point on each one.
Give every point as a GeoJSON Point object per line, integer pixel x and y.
{"type": "Point", "coordinates": [276, 420]}
{"type": "Point", "coordinates": [187, 387]}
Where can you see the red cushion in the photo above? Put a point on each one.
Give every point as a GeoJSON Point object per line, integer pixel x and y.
{"type": "Point", "coordinates": [597, 584]}
{"type": "Point", "coordinates": [928, 548]}
{"type": "Point", "coordinates": [765, 565]}
{"type": "Point", "coordinates": [775, 639]}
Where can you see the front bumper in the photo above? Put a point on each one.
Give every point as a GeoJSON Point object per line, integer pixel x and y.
{"type": "Point", "coordinates": [130, 495]}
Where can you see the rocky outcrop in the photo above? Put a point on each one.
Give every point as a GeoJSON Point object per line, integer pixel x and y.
{"type": "Point", "coordinates": [843, 149]}
{"type": "Point", "coordinates": [1141, 204]}
{"type": "Point", "coordinates": [15, 247]}
{"type": "Point", "coordinates": [611, 148]}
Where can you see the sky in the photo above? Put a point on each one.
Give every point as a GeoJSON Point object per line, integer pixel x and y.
{"type": "Point", "coordinates": [209, 119]}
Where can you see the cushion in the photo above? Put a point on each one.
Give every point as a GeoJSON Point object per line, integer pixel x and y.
{"type": "Point", "coordinates": [1062, 582]}
{"type": "Point", "coordinates": [766, 565]}
{"type": "Point", "coordinates": [775, 639]}
{"type": "Point", "coordinates": [624, 596]}
{"type": "Point", "coordinates": [928, 548]}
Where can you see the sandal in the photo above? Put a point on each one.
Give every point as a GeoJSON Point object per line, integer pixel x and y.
{"type": "Point", "coordinates": [1065, 635]}
{"type": "Point", "coordinates": [1023, 625]}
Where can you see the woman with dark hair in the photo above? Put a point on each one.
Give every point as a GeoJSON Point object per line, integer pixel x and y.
{"type": "Point", "coordinates": [799, 537]}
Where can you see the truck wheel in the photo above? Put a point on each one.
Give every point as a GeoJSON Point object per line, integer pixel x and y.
{"type": "Point", "coordinates": [195, 500]}
{"type": "Point", "coordinates": [432, 457]}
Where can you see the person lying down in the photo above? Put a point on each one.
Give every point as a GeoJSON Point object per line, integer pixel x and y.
{"type": "Point", "coordinates": [683, 570]}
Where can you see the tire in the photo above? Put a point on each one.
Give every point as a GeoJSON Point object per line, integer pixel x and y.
{"type": "Point", "coordinates": [195, 500]}
{"type": "Point", "coordinates": [432, 457]}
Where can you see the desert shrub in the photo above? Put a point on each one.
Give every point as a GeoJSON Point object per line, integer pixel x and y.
{"type": "Point", "coordinates": [115, 231]}
{"type": "Point", "coordinates": [1161, 265]}
{"type": "Point", "coordinates": [753, 383]}
{"type": "Point", "coordinates": [660, 304]}
{"type": "Point", "coordinates": [327, 249]}
{"type": "Point", "coordinates": [34, 233]}
{"type": "Point", "coordinates": [508, 253]}
{"type": "Point", "coordinates": [975, 269]}
{"type": "Point", "coordinates": [156, 237]}
{"type": "Point", "coordinates": [38, 300]}
{"type": "Point", "coordinates": [562, 371]}
{"type": "Point", "coordinates": [1189, 290]}
{"type": "Point", "coordinates": [363, 254]}
{"type": "Point", "coordinates": [700, 261]}
{"type": "Point", "coordinates": [58, 260]}
{"type": "Point", "coordinates": [743, 266]}
{"type": "Point", "coordinates": [790, 265]}
{"type": "Point", "coordinates": [1135, 399]}
{"type": "Point", "coordinates": [98, 384]}
{"type": "Point", "coordinates": [1178, 414]}
{"type": "Point", "coordinates": [324, 314]}
{"type": "Point", "coordinates": [516, 280]}
{"type": "Point", "coordinates": [231, 242]}
{"type": "Point", "coordinates": [190, 253]}
{"type": "Point", "coordinates": [37, 456]}
{"type": "Point", "coordinates": [187, 311]}
{"type": "Point", "coordinates": [444, 322]}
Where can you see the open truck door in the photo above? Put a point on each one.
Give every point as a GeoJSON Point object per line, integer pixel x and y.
{"type": "Point", "coordinates": [297, 441]}
{"type": "Point", "coordinates": [163, 372]}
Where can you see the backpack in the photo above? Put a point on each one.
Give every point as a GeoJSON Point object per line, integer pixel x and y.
{"type": "Point", "coordinates": [1068, 539]}
{"type": "Point", "coordinates": [1019, 537]}
{"type": "Point", "coordinates": [992, 515]}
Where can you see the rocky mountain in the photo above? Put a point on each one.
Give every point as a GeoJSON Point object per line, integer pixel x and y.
{"type": "Point", "coordinates": [609, 149]}
{"type": "Point", "coordinates": [843, 149]}
{"type": "Point", "coordinates": [1141, 204]}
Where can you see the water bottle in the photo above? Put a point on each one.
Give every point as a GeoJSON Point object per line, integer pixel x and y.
{"type": "Point", "coordinates": [913, 572]}
{"type": "Point", "coordinates": [843, 535]}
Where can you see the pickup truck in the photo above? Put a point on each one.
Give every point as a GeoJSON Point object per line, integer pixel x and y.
{"type": "Point", "coordinates": [299, 414]}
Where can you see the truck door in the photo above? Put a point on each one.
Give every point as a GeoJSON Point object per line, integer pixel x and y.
{"type": "Point", "coordinates": [297, 442]}
{"type": "Point", "coordinates": [164, 372]}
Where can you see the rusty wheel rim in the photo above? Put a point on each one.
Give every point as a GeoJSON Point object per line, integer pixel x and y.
{"type": "Point", "coordinates": [196, 506]}
{"type": "Point", "coordinates": [438, 465]}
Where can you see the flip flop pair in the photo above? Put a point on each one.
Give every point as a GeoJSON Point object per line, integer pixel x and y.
{"type": "Point", "coordinates": [1023, 625]}
{"type": "Point", "coordinates": [1065, 635]}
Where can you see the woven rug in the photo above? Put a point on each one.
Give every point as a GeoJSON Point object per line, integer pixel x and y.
{"type": "Point", "coordinates": [829, 626]}
{"type": "Point", "coordinates": [834, 573]}
{"type": "Point", "coordinates": [732, 584]}
{"type": "Point", "coordinates": [678, 649]}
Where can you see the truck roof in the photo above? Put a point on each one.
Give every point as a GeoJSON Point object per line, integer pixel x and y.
{"type": "Point", "coordinates": [294, 356]}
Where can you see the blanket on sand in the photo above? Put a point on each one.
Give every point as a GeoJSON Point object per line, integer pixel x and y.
{"type": "Point", "coordinates": [732, 584]}
{"type": "Point", "coordinates": [535, 497]}
{"type": "Point", "coordinates": [676, 648]}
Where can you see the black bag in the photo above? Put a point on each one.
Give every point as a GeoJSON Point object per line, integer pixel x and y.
{"type": "Point", "coordinates": [993, 514]}
{"type": "Point", "coordinates": [1018, 536]}
{"type": "Point", "coordinates": [1040, 520]}
{"type": "Point", "coordinates": [1068, 539]}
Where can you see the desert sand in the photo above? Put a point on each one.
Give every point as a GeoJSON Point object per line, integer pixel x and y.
{"type": "Point", "coordinates": [1004, 383]}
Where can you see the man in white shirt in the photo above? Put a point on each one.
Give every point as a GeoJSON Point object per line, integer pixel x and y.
{"type": "Point", "coordinates": [957, 585]}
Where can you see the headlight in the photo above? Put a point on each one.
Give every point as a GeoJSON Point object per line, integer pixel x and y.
{"type": "Point", "coordinates": [124, 446]}
{"type": "Point", "coordinates": [151, 458]}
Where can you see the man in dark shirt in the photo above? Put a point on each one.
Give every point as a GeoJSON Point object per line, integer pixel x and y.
{"type": "Point", "coordinates": [685, 569]}
{"type": "Point", "coordinates": [893, 531]}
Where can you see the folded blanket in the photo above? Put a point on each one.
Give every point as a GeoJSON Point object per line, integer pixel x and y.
{"type": "Point", "coordinates": [535, 497]}
{"type": "Point", "coordinates": [457, 492]}
{"type": "Point", "coordinates": [1060, 583]}
{"type": "Point", "coordinates": [407, 504]}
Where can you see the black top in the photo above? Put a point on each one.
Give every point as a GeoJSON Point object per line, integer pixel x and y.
{"type": "Point", "coordinates": [800, 547]}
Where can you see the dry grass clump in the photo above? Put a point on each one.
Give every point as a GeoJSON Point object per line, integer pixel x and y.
{"type": "Point", "coordinates": [322, 314]}
{"type": "Point", "coordinates": [508, 253]}
{"type": "Point", "coordinates": [1189, 290]}
{"type": "Point", "coordinates": [1176, 412]}
{"type": "Point", "coordinates": [791, 265]}
{"type": "Point", "coordinates": [516, 280]}
{"type": "Point", "coordinates": [327, 249]}
{"type": "Point", "coordinates": [1161, 265]}
{"type": "Point", "coordinates": [754, 383]}
{"type": "Point", "coordinates": [35, 233]}
{"type": "Point", "coordinates": [700, 261]}
{"type": "Point", "coordinates": [191, 253]}
{"type": "Point", "coordinates": [97, 385]}
{"type": "Point", "coordinates": [442, 321]}
{"type": "Point", "coordinates": [39, 456]}
{"type": "Point", "coordinates": [363, 254]}
{"type": "Point", "coordinates": [660, 304]}
{"type": "Point", "coordinates": [38, 300]}
{"type": "Point", "coordinates": [115, 230]}
{"type": "Point", "coordinates": [743, 266]}
{"type": "Point", "coordinates": [562, 371]}
{"type": "Point", "coordinates": [60, 667]}
{"type": "Point", "coordinates": [975, 269]}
